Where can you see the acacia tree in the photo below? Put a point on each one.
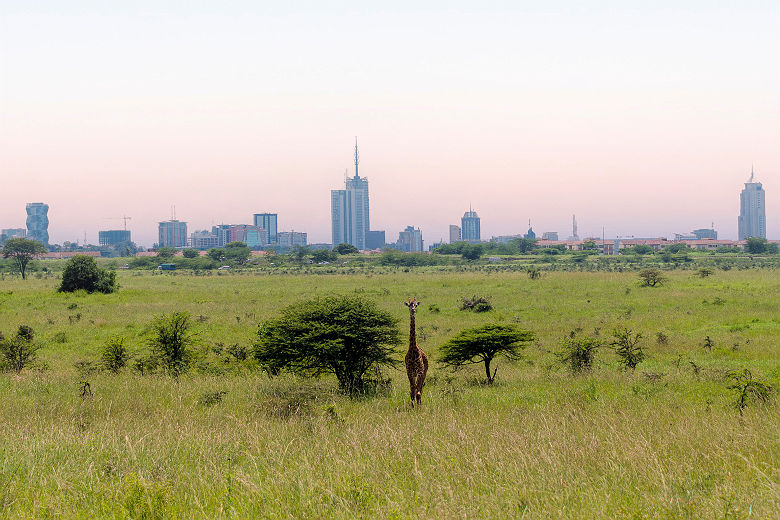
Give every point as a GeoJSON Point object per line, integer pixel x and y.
{"type": "Point", "coordinates": [483, 344]}
{"type": "Point", "coordinates": [342, 335]}
{"type": "Point", "coordinates": [22, 250]}
{"type": "Point", "coordinates": [651, 277]}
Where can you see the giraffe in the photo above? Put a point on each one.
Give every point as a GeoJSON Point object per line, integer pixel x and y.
{"type": "Point", "coordinates": [416, 360]}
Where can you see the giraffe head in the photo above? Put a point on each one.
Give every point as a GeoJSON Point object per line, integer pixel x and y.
{"type": "Point", "coordinates": [412, 304]}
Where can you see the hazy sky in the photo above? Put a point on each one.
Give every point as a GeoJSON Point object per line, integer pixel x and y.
{"type": "Point", "coordinates": [643, 117]}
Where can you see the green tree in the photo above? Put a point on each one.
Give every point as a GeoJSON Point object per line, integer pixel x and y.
{"type": "Point", "coordinates": [524, 245]}
{"type": "Point", "coordinates": [217, 254]}
{"type": "Point", "coordinates": [677, 248]}
{"type": "Point", "coordinates": [345, 249]}
{"type": "Point", "coordinates": [82, 273]}
{"type": "Point", "coordinates": [20, 350]}
{"type": "Point", "coordinates": [471, 251]}
{"type": "Point", "coordinates": [324, 255]}
{"type": "Point", "coordinates": [22, 251]}
{"type": "Point", "coordinates": [342, 335]}
{"type": "Point", "coordinates": [755, 245]}
{"type": "Point", "coordinates": [299, 254]}
{"type": "Point", "coordinates": [190, 253]}
{"type": "Point", "coordinates": [482, 344]}
{"type": "Point", "coordinates": [639, 249]}
{"type": "Point", "coordinates": [237, 252]}
{"type": "Point", "coordinates": [171, 338]}
{"type": "Point", "coordinates": [166, 252]}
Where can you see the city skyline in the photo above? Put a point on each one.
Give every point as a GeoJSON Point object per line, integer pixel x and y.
{"type": "Point", "coordinates": [271, 220]}
{"type": "Point", "coordinates": [642, 119]}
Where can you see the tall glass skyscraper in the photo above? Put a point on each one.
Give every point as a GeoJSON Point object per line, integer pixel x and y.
{"type": "Point", "coordinates": [38, 222]}
{"type": "Point", "coordinates": [268, 221]}
{"type": "Point", "coordinates": [752, 210]}
{"type": "Point", "coordinates": [469, 225]}
{"type": "Point", "coordinates": [172, 233]}
{"type": "Point", "coordinates": [349, 210]}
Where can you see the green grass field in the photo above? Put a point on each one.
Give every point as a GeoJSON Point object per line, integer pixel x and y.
{"type": "Point", "coordinates": [663, 442]}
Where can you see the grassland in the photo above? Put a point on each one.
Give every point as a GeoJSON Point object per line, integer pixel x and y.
{"type": "Point", "coordinates": [664, 442]}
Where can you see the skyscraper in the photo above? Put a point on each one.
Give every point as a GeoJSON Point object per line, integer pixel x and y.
{"type": "Point", "coordinates": [349, 210]}
{"type": "Point", "coordinates": [268, 221]}
{"type": "Point", "coordinates": [38, 222]}
{"type": "Point", "coordinates": [455, 234]}
{"type": "Point", "coordinates": [173, 233]}
{"type": "Point", "coordinates": [410, 240]}
{"type": "Point", "coordinates": [752, 210]}
{"type": "Point", "coordinates": [470, 226]}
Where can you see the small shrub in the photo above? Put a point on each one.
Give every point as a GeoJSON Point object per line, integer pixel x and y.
{"type": "Point", "coordinates": [239, 352]}
{"type": "Point", "coordinates": [212, 398]}
{"type": "Point", "coordinates": [748, 388]}
{"type": "Point", "coordinates": [433, 308]}
{"type": "Point", "coordinates": [534, 273]}
{"type": "Point", "coordinates": [476, 304]}
{"type": "Point", "coordinates": [661, 338]}
{"type": "Point", "coordinates": [626, 345]}
{"type": "Point", "coordinates": [20, 350]}
{"type": "Point", "coordinates": [651, 277]}
{"type": "Point", "coordinates": [578, 353]}
{"type": "Point", "coordinates": [708, 344]}
{"type": "Point", "coordinates": [704, 272]}
{"type": "Point", "coordinates": [115, 355]}
{"type": "Point", "coordinates": [171, 341]}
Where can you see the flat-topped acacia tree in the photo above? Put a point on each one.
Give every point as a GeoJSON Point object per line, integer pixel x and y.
{"type": "Point", "coordinates": [22, 250]}
{"type": "Point", "coordinates": [483, 344]}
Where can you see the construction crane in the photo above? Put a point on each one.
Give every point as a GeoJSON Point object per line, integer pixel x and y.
{"type": "Point", "coordinates": [125, 218]}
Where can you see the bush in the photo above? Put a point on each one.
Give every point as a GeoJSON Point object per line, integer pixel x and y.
{"type": "Point", "coordinates": [82, 273]}
{"type": "Point", "coordinates": [171, 340]}
{"type": "Point", "coordinates": [578, 353]}
{"type": "Point", "coordinates": [342, 335]}
{"type": "Point", "coordinates": [20, 350]}
{"type": "Point", "coordinates": [534, 273]}
{"type": "Point", "coordinates": [704, 272]}
{"type": "Point", "coordinates": [115, 354]}
{"type": "Point", "coordinates": [476, 304]}
{"type": "Point", "coordinates": [748, 388]}
{"type": "Point", "coordinates": [651, 277]}
{"type": "Point", "coordinates": [483, 344]}
{"type": "Point", "coordinates": [190, 253]}
{"type": "Point", "coordinates": [625, 343]}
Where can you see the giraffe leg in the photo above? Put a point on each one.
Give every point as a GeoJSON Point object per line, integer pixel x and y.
{"type": "Point", "coordinates": [419, 385]}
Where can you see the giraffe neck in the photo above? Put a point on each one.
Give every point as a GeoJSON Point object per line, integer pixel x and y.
{"type": "Point", "coordinates": [412, 334]}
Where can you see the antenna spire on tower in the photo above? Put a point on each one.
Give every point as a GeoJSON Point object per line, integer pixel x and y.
{"type": "Point", "coordinates": [357, 158]}
{"type": "Point", "coordinates": [751, 172]}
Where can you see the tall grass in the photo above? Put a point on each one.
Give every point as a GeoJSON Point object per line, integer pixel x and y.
{"type": "Point", "coordinates": [663, 442]}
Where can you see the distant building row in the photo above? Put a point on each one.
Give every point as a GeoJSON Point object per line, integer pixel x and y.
{"type": "Point", "coordinates": [263, 233]}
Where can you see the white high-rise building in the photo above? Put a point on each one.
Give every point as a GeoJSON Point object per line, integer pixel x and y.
{"type": "Point", "coordinates": [752, 210]}
{"type": "Point", "coordinates": [349, 210]}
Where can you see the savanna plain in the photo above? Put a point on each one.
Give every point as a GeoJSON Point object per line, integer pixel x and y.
{"type": "Point", "coordinates": [227, 440]}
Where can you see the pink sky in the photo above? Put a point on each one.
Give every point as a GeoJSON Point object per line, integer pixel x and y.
{"type": "Point", "coordinates": [641, 120]}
